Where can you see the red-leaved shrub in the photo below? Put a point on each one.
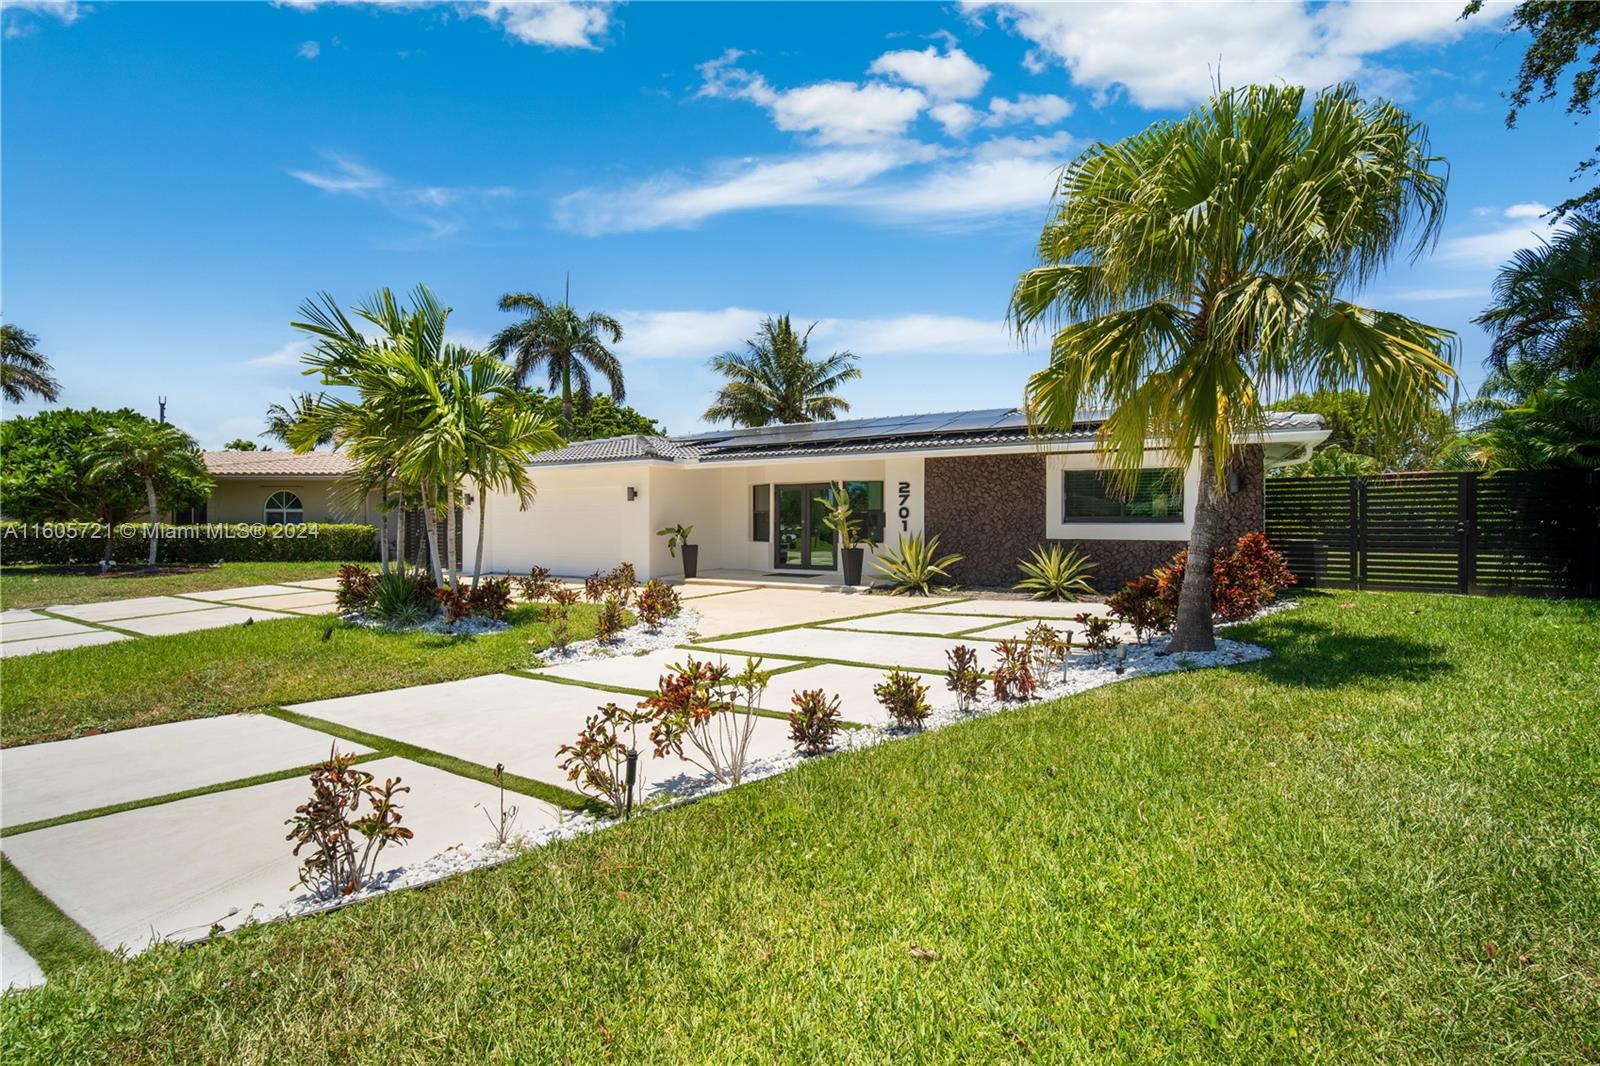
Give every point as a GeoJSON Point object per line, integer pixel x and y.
{"type": "Point", "coordinates": [1244, 579]}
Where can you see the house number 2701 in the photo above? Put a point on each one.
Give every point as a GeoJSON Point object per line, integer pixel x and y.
{"type": "Point", "coordinates": [905, 506]}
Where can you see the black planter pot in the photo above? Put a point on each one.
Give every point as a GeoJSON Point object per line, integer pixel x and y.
{"type": "Point", "coordinates": [853, 558]}
{"type": "Point", "coordinates": [691, 560]}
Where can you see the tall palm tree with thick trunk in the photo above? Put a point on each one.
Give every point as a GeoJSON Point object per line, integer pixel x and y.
{"type": "Point", "coordinates": [570, 346]}
{"type": "Point", "coordinates": [1196, 269]}
{"type": "Point", "coordinates": [148, 451]}
{"type": "Point", "coordinates": [774, 380]}
{"type": "Point", "coordinates": [23, 370]}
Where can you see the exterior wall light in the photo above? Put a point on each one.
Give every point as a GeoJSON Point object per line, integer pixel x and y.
{"type": "Point", "coordinates": [633, 494]}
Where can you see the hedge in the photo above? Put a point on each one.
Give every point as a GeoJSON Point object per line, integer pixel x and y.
{"type": "Point", "coordinates": [65, 543]}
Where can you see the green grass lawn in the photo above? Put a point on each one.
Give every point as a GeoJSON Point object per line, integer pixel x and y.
{"type": "Point", "coordinates": [41, 586]}
{"type": "Point", "coordinates": [241, 668]}
{"type": "Point", "coordinates": [1381, 845]}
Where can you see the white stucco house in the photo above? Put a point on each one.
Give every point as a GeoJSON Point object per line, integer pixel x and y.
{"type": "Point", "coordinates": [976, 479]}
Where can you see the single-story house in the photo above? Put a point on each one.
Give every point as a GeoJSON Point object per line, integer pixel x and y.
{"type": "Point", "coordinates": [976, 479]}
{"type": "Point", "coordinates": [278, 488]}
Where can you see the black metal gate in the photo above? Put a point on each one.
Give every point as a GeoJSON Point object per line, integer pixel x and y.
{"type": "Point", "coordinates": [1525, 531]}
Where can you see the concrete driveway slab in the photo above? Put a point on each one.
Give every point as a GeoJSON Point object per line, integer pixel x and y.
{"type": "Point", "coordinates": [162, 625]}
{"type": "Point", "coordinates": [244, 592]}
{"type": "Point", "coordinates": [138, 607]}
{"type": "Point", "coordinates": [1020, 608]}
{"type": "Point", "coordinates": [327, 583]}
{"type": "Point", "coordinates": [19, 614]}
{"type": "Point", "coordinates": [171, 870]}
{"type": "Point", "coordinates": [17, 968]}
{"type": "Point", "coordinates": [301, 600]}
{"type": "Point", "coordinates": [85, 639]}
{"type": "Point", "coordinates": [637, 671]}
{"type": "Point", "coordinates": [515, 720]}
{"type": "Point", "coordinates": [852, 684]}
{"type": "Point", "coordinates": [766, 608]}
{"type": "Point", "coordinates": [42, 627]}
{"type": "Point", "coordinates": [1019, 630]}
{"type": "Point", "coordinates": [915, 622]}
{"type": "Point", "coordinates": [40, 781]}
{"type": "Point", "coordinates": [877, 649]}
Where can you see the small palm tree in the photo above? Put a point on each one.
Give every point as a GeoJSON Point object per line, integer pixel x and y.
{"type": "Point", "coordinates": [1545, 312]}
{"type": "Point", "coordinates": [774, 381]}
{"type": "Point", "coordinates": [282, 419]}
{"type": "Point", "coordinates": [1197, 267]}
{"type": "Point", "coordinates": [569, 346]}
{"type": "Point", "coordinates": [22, 369]}
{"type": "Point", "coordinates": [149, 451]}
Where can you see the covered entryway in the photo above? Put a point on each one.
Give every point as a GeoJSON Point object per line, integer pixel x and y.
{"type": "Point", "coordinates": [803, 542]}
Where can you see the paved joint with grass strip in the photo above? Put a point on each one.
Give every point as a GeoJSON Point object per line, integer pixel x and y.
{"type": "Point", "coordinates": [122, 838]}
{"type": "Point", "coordinates": [221, 859]}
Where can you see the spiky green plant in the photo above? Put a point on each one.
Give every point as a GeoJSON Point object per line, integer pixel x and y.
{"type": "Point", "coordinates": [912, 566]}
{"type": "Point", "coordinates": [1055, 574]}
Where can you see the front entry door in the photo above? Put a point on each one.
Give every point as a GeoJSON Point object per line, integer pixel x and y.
{"type": "Point", "coordinates": [803, 542]}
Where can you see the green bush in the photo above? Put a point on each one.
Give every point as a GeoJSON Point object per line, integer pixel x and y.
{"type": "Point", "coordinates": [67, 543]}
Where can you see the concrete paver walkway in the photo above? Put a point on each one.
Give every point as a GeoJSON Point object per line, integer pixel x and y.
{"type": "Point", "coordinates": [172, 870]}
{"type": "Point", "coordinates": [39, 781]}
{"type": "Point", "coordinates": [17, 968]}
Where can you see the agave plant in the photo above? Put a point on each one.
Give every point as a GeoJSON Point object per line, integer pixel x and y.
{"type": "Point", "coordinates": [1055, 574]}
{"type": "Point", "coordinates": [914, 564]}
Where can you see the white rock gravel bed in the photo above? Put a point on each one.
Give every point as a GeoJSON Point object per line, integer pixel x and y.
{"type": "Point", "coordinates": [1084, 672]}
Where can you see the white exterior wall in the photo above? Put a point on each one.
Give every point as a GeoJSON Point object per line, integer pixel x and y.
{"type": "Point", "coordinates": [580, 521]}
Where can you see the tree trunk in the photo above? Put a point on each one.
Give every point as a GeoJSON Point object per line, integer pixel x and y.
{"type": "Point", "coordinates": [483, 515]}
{"type": "Point", "coordinates": [383, 525]}
{"type": "Point", "coordinates": [431, 529]}
{"type": "Point", "coordinates": [105, 560]}
{"type": "Point", "coordinates": [155, 521]}
{"type": "Point", "coordinates": [450, 531]}
{"type": "Point", "coordinates": [566, 396]}
{"type": "Point", "coordinates": [1192, 631]}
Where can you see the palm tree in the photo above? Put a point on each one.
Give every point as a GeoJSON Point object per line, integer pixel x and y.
{"type": "Point", "coordinates": [1546, 303]}
{"type": "Point", "coordinates": [282, 419]}
{"type": "Point", "coordinates": [146, 450]}
{"type": "Point", "coordinates": [568, 344]}
{"type": "Point", "coordinates": [1197, 268]}
{"type": "Point", "coordinates": [1525, 418]}
{"type": "Point", "coordinates": [503, 432]}
{"type": "Point", "coordinates": [774, 381]}
{"type": "Point", "coordinates": [22, 369]}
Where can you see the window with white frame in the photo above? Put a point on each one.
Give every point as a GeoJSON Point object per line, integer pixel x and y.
{"type": "Point", "coordinates": [283, 509]}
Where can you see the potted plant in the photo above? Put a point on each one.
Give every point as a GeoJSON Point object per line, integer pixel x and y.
{"type": "Point", "coordinates": [678, 536]}
{"type": "Point", "coordinates": [841, 518]}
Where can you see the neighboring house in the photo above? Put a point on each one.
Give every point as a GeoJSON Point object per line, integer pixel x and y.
{"type": "Point", "coordinates": [976, 479]}
{"type": "Point", "coordinates": [278, 488]}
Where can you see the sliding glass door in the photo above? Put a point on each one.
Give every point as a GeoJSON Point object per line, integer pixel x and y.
{"type": "Point", "coordinates": [803, 542]}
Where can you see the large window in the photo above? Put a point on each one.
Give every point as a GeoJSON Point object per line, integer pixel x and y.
{"type": "Point", "coordinates": [866, 499]}
{"type": "Point", "coordinates": [1090, 496]}
{"type": "Point", "coordinates": [761, 512]}
{"type": "Point", "coordinates": [283, 509]}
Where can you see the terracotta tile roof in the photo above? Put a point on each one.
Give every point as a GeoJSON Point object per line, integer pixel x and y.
{"type": "Point", "coordinates": [275, 464]}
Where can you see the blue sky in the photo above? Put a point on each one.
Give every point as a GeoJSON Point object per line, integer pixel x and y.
{"type": "Point", "coordinates": [177, 178]}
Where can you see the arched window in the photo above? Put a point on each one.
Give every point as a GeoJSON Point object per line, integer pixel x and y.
{"type": "Point", "coordinates": [283, 509]}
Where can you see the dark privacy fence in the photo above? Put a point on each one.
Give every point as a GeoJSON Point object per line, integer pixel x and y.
{"type": "Point", "coordinates": [1535, 532]}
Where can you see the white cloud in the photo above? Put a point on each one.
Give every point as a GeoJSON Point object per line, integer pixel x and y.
{"type": "Point", "coordinates": [703, 334]}
{"type": "Point", "coordinates": [437, 211]}
{"type": "Point", "coordinates": [548, 23]}
{"type": "Point", "coordinates": [956, 119]}
{"type": "Point", "coordinates": [899, 183]}
{"type": "Point", "coordinates": [951, 75]}
{"type": "Point", "coordinates": [830, 112]}
{"type": "Point", "coordinates": [1494, 247]}
{"type": "Point", "coordinates": [1171, 54]}
{"type": "Point", "coordinates": [672, 200]}
{"type": "Point", "coordinates": [288, 354]}
{"type": "Point", "coordinates": [1044, 109]}
{"type": "Point", "coordinates": [1436, 295]}
{"type": "Point", "coordinates": [310, 50]}
{"type": "Point", "coordinates": [65, 11]}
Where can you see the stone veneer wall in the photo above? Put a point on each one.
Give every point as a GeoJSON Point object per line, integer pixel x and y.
{"type": "Point", "coordinates": [990, 509]}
